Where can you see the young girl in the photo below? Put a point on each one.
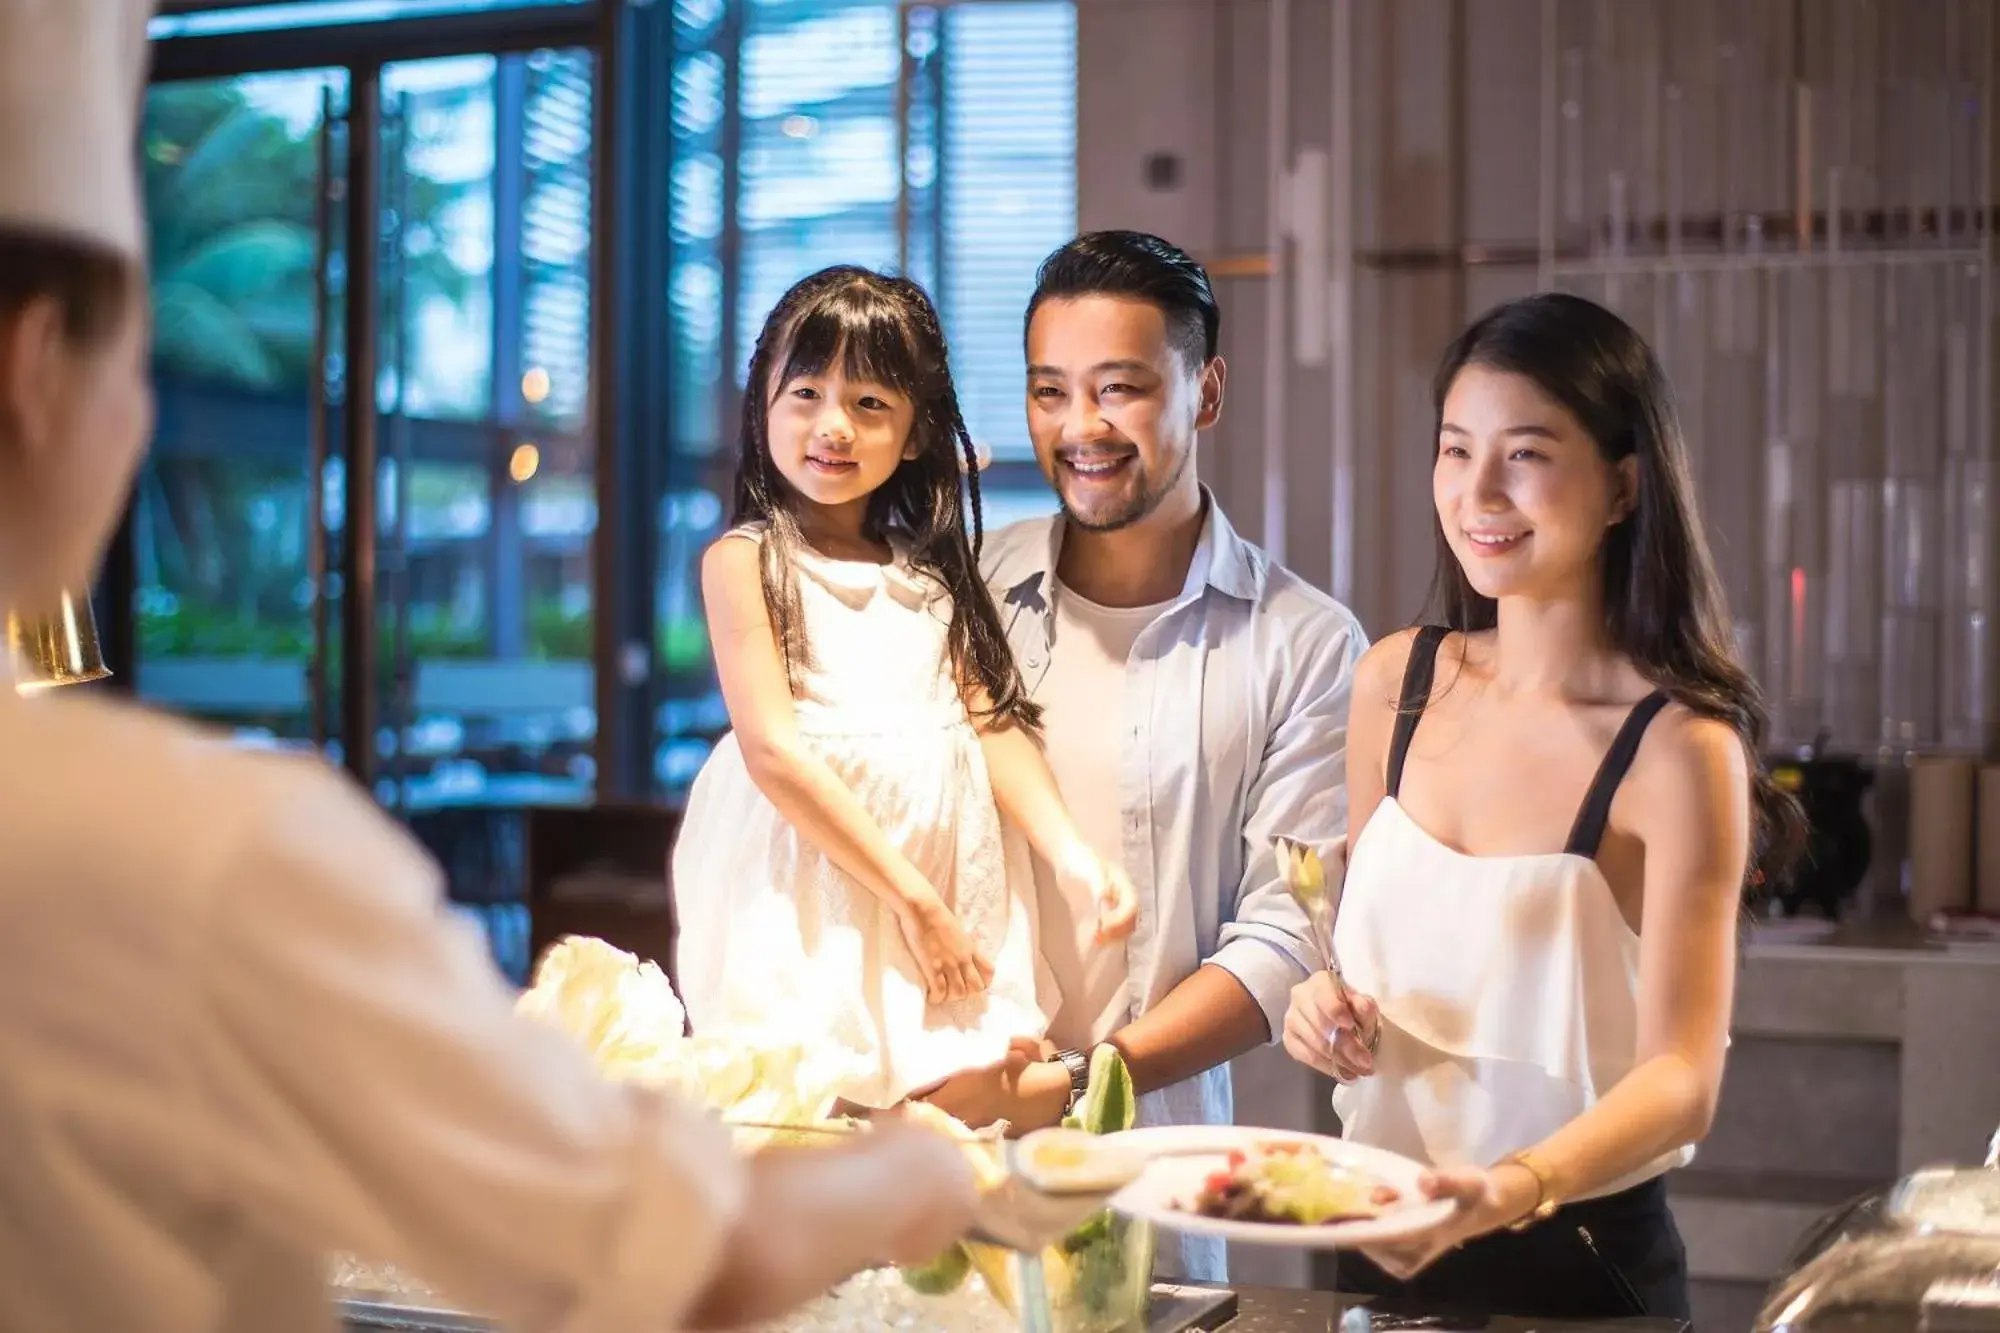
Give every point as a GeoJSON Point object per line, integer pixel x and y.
{"type": "Point", "coordinates": [1554, 800]}
{"type": "Point", "coordinates": [842, 867]}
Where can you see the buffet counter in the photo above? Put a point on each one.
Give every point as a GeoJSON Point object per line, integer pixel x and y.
{"type": "Point", "coordinates": [1242, 1310]}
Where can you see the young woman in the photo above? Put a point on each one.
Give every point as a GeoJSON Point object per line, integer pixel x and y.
{"type": "Point", "coordinates": [1555, 798]}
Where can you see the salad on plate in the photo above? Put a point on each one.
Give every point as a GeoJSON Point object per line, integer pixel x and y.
{"type": "Point", "coordinates": [1290, 1183]}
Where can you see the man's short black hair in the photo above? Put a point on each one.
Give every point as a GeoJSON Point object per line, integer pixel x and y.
{"type": "Point", "coordinates": [91, 284]}
{"type": "Point", "coordinates": [1145, 268]}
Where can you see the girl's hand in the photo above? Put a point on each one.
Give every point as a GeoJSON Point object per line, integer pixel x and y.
{"type": "Point", "coordinates": [1117, 904]}
{"type": "Point", "coordinates": [1082, 873]}
{"type": "Point", "coordinates": [953, 968]}
{"type": "Point", "coordinates": [1332, 1028]}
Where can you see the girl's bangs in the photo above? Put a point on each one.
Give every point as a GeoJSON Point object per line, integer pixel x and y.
{"type": "Point", "coordinates": [866, 336]}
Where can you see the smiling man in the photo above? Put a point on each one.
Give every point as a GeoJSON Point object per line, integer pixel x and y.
{"type": "Point", "coordinates": [1195, 698]}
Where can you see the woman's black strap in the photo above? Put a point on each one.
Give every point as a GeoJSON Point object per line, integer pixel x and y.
{"type": "Point", "coordinates": [1417, 678]}
{"type": "Point", "coordinates": [1588, 831]}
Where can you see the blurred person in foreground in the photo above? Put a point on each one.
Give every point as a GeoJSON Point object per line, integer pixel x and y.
{"type": "Point", "coordinates": [243, 1033]}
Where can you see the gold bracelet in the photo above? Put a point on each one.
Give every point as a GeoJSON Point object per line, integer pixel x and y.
{"type": "Point", "coordinates": [1545, 1198]}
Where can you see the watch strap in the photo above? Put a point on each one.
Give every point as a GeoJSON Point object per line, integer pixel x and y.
{"type": "Point", "coordinates": [1078, 1066]}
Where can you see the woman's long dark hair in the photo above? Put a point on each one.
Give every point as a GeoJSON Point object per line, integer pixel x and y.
{"type": "Point", "coordinates": [1664, 607]}
{"type": "Point", "coordinates": [886, 331]}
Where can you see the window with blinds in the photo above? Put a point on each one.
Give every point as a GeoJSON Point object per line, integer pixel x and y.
{"type": "Point", "coordinates": [1009, 185]}
{"type": "Point", "coordinates": [934, 140]}
{"type": "Point", "coordinates": [821, 147]}
{"type": "Point", "coordinates": [555, 236]}
{"type": "Point", "coordinates": [234, 16]}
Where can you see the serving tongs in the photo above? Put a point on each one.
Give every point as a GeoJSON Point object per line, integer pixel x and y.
{"type": "Point", "coordinates": [1305, 879]}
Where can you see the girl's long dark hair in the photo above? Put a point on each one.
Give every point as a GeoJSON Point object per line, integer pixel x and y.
{"type": "Point", "coordinates": [883, 330]}
{"type": "Point", "coordinates": [1664, 606]}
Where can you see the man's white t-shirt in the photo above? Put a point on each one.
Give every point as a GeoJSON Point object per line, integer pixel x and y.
{"type": "Point", "coordinates": [1083, 727]}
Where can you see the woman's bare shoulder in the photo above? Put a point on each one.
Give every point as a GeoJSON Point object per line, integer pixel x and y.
{"type": "Point", "coordinates": [1688, 766]}
{"type": "Point", "coordinates": [1378, 676]}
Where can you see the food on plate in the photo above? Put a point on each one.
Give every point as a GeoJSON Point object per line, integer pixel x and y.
{"type": "Point", "coordinates": [1073, 1161]}
{"type": "Point", "coordinates": [1291, 1184]}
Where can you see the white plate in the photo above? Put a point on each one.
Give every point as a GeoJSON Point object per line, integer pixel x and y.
{"type": "Point", "coordinates": [1184, 1156]}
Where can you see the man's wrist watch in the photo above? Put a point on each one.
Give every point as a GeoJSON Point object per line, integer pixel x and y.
{"type": "Point", "coordinates": [1078, 1066]}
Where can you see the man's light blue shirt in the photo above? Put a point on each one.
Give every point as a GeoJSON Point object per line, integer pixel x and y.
{"type": "Point", "coordinates": [1235, 732]}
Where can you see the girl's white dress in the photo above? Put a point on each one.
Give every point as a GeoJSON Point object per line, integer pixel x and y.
{"type": "Point", "coordinates": [775, 937]}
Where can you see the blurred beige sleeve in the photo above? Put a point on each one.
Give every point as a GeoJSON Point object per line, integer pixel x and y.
{"type": "Point", "coordinates": [374, 1092]}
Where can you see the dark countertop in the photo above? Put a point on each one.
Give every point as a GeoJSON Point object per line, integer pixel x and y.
{"type": "Point", "coordinates": [1285, 1310]}
{"type": "Point", "coordinates": [1258, 1310]}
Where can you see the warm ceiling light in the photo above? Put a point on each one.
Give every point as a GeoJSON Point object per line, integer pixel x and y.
{"type": "Point", "coordinates": [527, 461]}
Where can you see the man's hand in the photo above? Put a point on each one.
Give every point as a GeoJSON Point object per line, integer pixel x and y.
{"type": "Point", "coordinates": [1024, 1090]}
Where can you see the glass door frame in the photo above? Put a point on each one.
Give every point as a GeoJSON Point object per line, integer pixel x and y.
{"type": "Point", "coordinates": [627, 335]}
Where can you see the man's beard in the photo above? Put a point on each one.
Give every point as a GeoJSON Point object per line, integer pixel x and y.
{"type": "Point", "coordinates": [1144, 499]}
